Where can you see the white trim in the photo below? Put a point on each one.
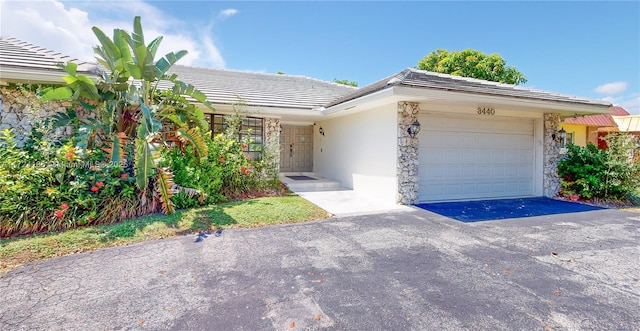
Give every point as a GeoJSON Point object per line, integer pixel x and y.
{"type": "Point", "coordinates": [543, 105]}
{"type": "Point", "coordinates": [538, 163]}
{"type": "Point", "coordinates": [422, 95]}
{"type": "Point", "coordinates": [352, 104]}
{"type": "Point", "coordinates": [33, 76]}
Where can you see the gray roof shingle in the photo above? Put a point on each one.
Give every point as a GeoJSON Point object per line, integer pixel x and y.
{"type": "Point", "coordinates": [220, 85]}
{"type": "Point", "coordinates": [17, 54]}
{"type": "Point", "coordinates": [426, 79]}
{"type": "Point", "coordinates": [224, 86]}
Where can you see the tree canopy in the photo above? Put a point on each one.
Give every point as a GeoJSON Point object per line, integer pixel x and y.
{"type": "Point", "coordinates": [345, 82]}
{"type": "Point", "coordinates": [473, 64]}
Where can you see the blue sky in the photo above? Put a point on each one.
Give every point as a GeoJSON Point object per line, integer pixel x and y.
{"type": "Point", "coordinates": [588, 49]}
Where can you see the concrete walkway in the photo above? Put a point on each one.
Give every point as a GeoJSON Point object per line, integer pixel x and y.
{"type": "Point", "coordinates": [337, 200]}
{"type": "Point", "coordinates": [390, 271]}
{"type": "Point", "coordinates": [350, 203]}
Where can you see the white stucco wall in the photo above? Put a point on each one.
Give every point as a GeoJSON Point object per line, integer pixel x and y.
{"type": "Point", "coordinates": [360, 151]}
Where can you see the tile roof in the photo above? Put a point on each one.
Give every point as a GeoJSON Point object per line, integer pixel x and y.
{"type": "Point", "coordinates": [599, 120]}
{"type": "Point", "coordinates": [224, 86]}
{"type": "Point", "coordinates": [221, 86]}
{"type": "Point", "coordinates": [17, 54]}
{"type": "Point", "coordinates": [426, 79]}
{"type": "Point", "coordinates": [272, 90]}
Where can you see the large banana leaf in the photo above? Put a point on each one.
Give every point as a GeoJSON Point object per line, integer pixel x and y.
{"type": "Point", "coordinates": [62, 119]}
{"type": "Point", "coordinates": [193, 137]}
{"type": "Point", "coordinates": [148, 124]}
{"type": "Point", "coordinates": [165, 189]}
{"type": "Point", "coordinates": [137, 36]}
{"type": "Point", "coordinates": [108, 53]}
{"type": "Point", "coordinates": [144, 166]}
{"type": "Point", "coordinates": [116, 151]}
{"type": "Point", "coordinates": [153, 46]}
{"type": "Point", "coordinates": [125, 53]}
{"type": "Point", "coordinates": [77, 86]}
{"type": "Point", "coordinates": [181, 88]}
{"type": "Point", "coordinates": [58, 93]}
{"type": "Point", "coordinates": [165, 63]}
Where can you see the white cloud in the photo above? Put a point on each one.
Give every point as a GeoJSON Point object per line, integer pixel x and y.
{"type": "Point", "coordinates": [65, 27]}
{"type": "Point", "coordinates": [630, 103]}
{"type": "Point", "coordinates": [213, 58]}
{"type": "Point", "coordinates": [611, 88]}
{"type": "Point", "coordinates": [49, 24]}
{"type": "Point", "coordinates": [228, 12]}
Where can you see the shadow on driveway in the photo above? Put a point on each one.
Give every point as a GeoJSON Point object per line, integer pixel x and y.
{"type": "Point", "coordinates": [486, 210]}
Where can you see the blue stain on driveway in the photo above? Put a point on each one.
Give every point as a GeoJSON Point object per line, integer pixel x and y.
{"type": "Point", "coordinates": [486, 210]}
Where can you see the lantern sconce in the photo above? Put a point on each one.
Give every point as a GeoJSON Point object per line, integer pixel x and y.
{"type": "Point", "coordinates": [321, 131]}
{"type": "Point", "coordinates": [560, 135]}
{"type": "Point", "coordinates": [414, 129]}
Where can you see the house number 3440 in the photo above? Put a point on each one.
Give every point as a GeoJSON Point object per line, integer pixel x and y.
{"type": "Point", "coordinates": [486, 111]}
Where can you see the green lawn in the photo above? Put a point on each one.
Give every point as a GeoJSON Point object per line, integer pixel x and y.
{"type": "Point", "coordinates": [247, 213]}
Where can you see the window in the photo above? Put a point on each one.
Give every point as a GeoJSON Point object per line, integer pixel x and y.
{"type": "Point", "coordinates": [251, 128]}
{"type": "Point", "coordinates": [568, 139]}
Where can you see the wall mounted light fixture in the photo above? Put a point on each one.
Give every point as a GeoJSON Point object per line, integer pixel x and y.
{"type": "Point", "coordinates": [560, 135]}
{"type": "Point", "coordinates": [321, 131]}
{"type": "Point", "coordinates": [414, 129]}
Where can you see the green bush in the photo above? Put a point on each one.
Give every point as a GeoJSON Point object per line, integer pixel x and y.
{"type": "Point", "coordinates": [228, 152]}
{"type": "Point", "coordinates": [53, 187]}
{"type": "Point", "coordinates": [189, 171]}
{"type": "Point", "coordinates": [613, 173]}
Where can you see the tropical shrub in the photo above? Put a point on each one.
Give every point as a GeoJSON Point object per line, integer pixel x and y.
{"type": "Point", "coordinates": [613, 173]}
{"type": "Point", "coordinates": [59, 187]}
{"type": "Point", "coordinates": [138, 146]}
{"type": "Point", "coordinates": [134, 114]}
{"type": "Point", "coordinates": [236, 166]}
{"type": "Point", "coordinates": [204, 175]}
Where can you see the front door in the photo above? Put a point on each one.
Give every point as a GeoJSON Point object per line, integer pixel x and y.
{"type": "Point", "coordinates": [296, 149]}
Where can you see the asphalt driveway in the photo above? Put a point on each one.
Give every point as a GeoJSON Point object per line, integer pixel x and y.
{"type": "Point", "coordinates": [398, 271]}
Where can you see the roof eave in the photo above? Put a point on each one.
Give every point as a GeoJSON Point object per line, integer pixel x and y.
{"type": "Point", "coordinates": [378, 95]}
{"type": "Point", "coordinates": [22, 75]}
{"type": "Point", "coordinates": [418, 94]}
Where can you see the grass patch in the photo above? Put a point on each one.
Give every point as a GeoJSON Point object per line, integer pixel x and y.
{"type": "Point", "coordinates": [246, 213]}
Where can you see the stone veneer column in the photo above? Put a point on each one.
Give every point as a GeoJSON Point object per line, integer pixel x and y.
{"type": "Point", "coordinates": [272, 136]}
{"type": "Point", "coordinates": [551, 182]}
{"type": "Point", "coordinates": [407, 168]}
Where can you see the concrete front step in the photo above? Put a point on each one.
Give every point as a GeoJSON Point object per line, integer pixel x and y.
{"type": "Point", "coordinates": [316, 185]}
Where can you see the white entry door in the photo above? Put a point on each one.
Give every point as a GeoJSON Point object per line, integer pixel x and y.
{"type": "Point", "coordinates": [464, 157]}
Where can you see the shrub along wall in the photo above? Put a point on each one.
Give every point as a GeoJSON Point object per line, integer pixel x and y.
{"type": "Point", "coordinates": [612, 173]}
{"type": "Point", "coordinates": [48, 182]}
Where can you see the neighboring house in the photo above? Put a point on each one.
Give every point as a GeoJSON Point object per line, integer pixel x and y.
{"type": "Point", "coordinates": [477, 139]}
{"type": "Point", "coordinates": [628, 123]}
{"type": "Point", "coordinates": [582, 130]}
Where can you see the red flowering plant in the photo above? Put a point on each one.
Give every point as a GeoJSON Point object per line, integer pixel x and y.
{"type": "Point", "coordinates": [235, 166]}
{"type": "Point", "coordinates": [48, 187]}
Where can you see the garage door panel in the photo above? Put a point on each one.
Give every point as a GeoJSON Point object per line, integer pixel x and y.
{"type": "Point", "coordinates": [466, 158]}
{"type": "Point", "coordinates": [466, 124]}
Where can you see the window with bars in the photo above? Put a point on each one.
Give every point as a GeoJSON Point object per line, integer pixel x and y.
{"type": "Point", "coordinates": [250, 128]}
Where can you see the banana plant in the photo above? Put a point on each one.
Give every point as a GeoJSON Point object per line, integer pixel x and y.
{"type": "Point", "coordinates": [131, 107]}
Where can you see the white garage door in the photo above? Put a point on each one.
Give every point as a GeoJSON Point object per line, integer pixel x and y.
{"type": "Point", "coordinates": [472, 158]}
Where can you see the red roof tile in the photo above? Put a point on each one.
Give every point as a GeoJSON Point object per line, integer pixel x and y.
{"type": "Point", "coordinates": [599, 120]}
